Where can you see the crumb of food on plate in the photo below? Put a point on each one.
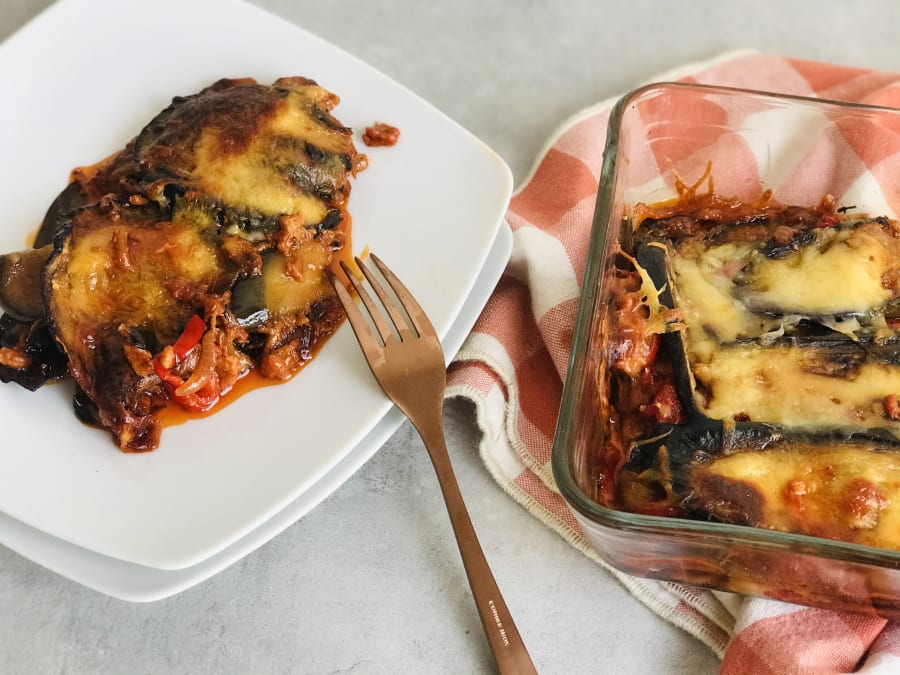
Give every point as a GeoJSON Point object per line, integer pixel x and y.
{"type": "Point", "coordinates": [381, 134]}
{"type": "Point", "coordinates": [196, 255]}
{"type": "Point", "coordinates": [753, 367]}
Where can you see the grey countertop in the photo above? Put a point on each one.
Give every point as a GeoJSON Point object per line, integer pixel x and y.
{"type": "Point", "coordinates": [370, 581]}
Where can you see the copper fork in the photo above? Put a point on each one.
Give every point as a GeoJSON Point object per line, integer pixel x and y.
{"type": "Point", "coordinates": [407, 361]}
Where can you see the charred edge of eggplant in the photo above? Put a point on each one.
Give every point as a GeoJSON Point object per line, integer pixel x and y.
{"type": "Point", "coordinates": [48, 361]}
{"type": "Point", "coordinates": [67, 201]}
{"type": "Point", "coordinates": [831, 353]}
{"type": "Point", "coordinates": [20, 283]}
{"type": "Point", "coordinates": [673, 451]}
{"type": "Point", "coordinates": [775, 251]}
{"type": "Point", "coordinates": [332, 220]}
{"type": "Point", "coordinates": [326, 119]}
{"type": "Point", "coordinates": [654, 260]}
{"type": "Point", "coordinates": [806, 221]}
{"type": "Point", "coordinates": [85, 409]}
{"type": "Point", "coordinates": [322, 176]}
{"type": "Point", "coordinates": [236, 222]}
{"type": "Point", "coordinates": [171, 193]}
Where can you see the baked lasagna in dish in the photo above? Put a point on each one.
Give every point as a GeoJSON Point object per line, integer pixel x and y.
{"type": "Point", "coordinates": [753, 367]}
{"type": "Point", "coordinates": [197, 254]}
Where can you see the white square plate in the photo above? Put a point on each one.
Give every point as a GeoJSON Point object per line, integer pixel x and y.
{"type": "Point", "coordinates": [137, 583]}
{"type": "Point", "coordinates": [76, 86]}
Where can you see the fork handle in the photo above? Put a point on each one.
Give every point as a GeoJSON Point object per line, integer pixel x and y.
{"type": "Point", "coordinates": [502, 635]}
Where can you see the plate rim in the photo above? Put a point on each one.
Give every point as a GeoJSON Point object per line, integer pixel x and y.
{"type": "Point", "coordinates": [191, 555]}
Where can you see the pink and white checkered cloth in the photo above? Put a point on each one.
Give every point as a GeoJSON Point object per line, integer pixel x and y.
{"type": "Point", "coordinates": [513, 364]}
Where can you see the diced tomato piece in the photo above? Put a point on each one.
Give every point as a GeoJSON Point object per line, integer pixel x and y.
{"type": "Point", "coordinates": [892, 406]}
{"type": "Point", "coordinates": [665, 406]}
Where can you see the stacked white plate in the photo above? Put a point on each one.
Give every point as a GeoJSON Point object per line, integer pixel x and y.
{"type": "Point", "coordinates": [78, 82]}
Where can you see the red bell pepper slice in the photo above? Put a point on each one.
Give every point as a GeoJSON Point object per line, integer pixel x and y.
{"type": "Point", "coordinates": [190, 337]}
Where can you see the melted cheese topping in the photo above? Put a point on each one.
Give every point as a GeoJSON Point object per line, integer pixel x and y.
{"type": "Point", "coordinates": [704, 291]}
{"type": "Point", "coordinates": [294, 120]}
{"type": "Point", "coordinates": [720, 291]}
{"type": "Point", "coordinates": [258, 178]}
{"type": "Point", "coordinates": [775, 385]}
{"type": "Point", "coordinates": [124, 275]}
{"type": "Point", "coordinates": [286, 295]}
{"type": "Point", "coordinates": [844, 491]}
{"type": "Point", "coordinates": [252, 180]}
{"type": "Point", "coordinates": [750, 293]}
{"type": "Point", "coordinates": [840, 273]}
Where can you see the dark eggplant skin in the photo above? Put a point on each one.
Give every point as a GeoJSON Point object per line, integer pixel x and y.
{"type": "Point", "coordinates": [48, 362]}
{"type": "Point", "coordinates": [121, 281]}
{"type": "Point", "coordinates": [248, 301]}
{"type": "Point", "coordinates": [654, 259]}
{"type": "Point", "coordinates": [172, 148]}
{"type": "Point", "coordinates": [668, 462]}
{"type": "Point", "coordinates": [757, 355]}
{"type": "Point", "coordinates": [834, 483]}
{"type": "Point", "coordinates": [72, 197]}
{"type": "Point", "coordinates": [22, 299]}
{"type": "Point", "coordinates": [681, 447]}
{"type": "Point", "coordinates": [825, 351]}
{"type": "Point", "coordinates": [20, 283]}
{"type": "Point", "coordinates": [173, 225]}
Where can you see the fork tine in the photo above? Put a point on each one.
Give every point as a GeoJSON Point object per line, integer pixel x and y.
{"type": "Point", "coordinates": [384, 330]}
{"type": "Point", "coordinates": [358, 323]}
{"type": "Point", "coordinates": [416, 314]}
{"type": "Point", "coordinates": [396, 317]}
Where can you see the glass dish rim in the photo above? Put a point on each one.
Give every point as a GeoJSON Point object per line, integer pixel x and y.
{"type": "Point", "coordinates": [562, 439]}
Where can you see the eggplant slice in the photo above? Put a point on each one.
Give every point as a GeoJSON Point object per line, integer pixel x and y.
{"type": "Point", "coordinates": [230, 199]}
{"type": "Point", "coordinates": [837, 485]}
{"type": "Point", "coordinates": [786, 417]}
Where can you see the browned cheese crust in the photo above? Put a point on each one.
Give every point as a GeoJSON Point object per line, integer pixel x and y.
{"type": "Point", "coordinates": [226, 209]}
{"type": "Point", "coordinates": [753, 369]}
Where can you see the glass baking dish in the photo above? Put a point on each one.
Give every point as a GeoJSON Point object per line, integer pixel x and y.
{"type": "Point", "coordinates": [801, 149]}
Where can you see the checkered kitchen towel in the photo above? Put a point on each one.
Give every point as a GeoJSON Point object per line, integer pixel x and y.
{"type": "Point", "coordinates": [513, 364]}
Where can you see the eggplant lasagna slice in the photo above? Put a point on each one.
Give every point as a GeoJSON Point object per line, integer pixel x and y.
{"type": "Point", "coordinates": [754, 368]}
{"type": "Point", "coordinates": [171, 269]}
